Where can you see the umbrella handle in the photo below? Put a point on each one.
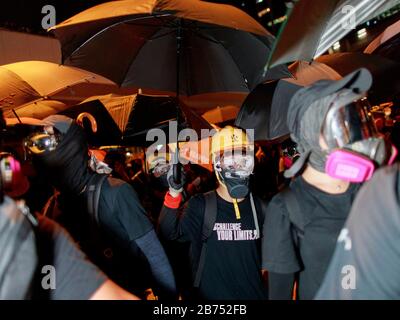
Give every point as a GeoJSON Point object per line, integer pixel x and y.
{"type": "Point", "coordinates": [92, 120]}
{"type": "Point", "coordinates": [177, 168]}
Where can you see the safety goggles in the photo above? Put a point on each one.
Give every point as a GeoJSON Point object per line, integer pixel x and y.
{"type": "Point", "coordinates": [347, 124]}
{"type": "Point", "coordinates": [237, 162]}
{"type": "Point", "coordinates": [40, 142]}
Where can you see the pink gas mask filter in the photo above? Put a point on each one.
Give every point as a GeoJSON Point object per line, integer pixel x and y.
{"type": "Point", "coordinates": [352, 166]}
{"type": "Point", "coordinates": [13, 181]}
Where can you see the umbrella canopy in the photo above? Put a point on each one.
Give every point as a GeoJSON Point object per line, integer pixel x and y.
{"type": "Point", "coordinates": [143, 43]}
{"type": "Point", "coordinates": [265, 108]}
{"type": "Point", "coordinates": [196, 152]}
{"type": "Point", "coordinates": [127, 119]}
{"type": "Point", "coordinates": [387, 44]}
{"type": "Point", "coordinates": [25, 85]}
{"type": "Point", "coordinates": [221, 114]}
{"type": "Point", "coordinates": [312, 27]}
{"type": "Point", "coordinates": [385, 72]}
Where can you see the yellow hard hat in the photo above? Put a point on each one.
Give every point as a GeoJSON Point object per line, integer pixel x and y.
{"type": "Point", "coordinates": [229, 138]}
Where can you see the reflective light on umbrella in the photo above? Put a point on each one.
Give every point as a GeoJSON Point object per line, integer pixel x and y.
{"type": "Point", "coordinates": [313, 27]}
{"type": "Point", "coordinates": [26, 85]}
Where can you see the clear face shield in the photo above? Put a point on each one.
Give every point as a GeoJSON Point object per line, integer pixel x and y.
{"type": "Point", "coordinates": [347, 124]}
{"type": "Point", "coordinates": [237, 163]}
{"type": "Point", "coordinates": [354, 144]}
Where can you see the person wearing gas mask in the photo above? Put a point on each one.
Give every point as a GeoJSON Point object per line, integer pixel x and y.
{"type": "Point", "coordinates": [221, 226]}
{"type": "Point", "coordinates": [339, 149]}
{"type": "Point", "coordinates": [103, 214]}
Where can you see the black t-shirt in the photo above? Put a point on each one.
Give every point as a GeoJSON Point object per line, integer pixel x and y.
{"type": "Point", "coordinates": [121, 212]}
{"type": "Point", "coordinates": [366, 261]}
{"type": "Point", "coordinates": [76, 278]}
{"type": "Point", "coordinates": [232, 267]}
{"type": "Point", "coordinates": [112, 246]}
{"type": "Point", "coordinates": [324, 215]}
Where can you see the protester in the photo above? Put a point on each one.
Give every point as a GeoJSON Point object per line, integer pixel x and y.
{"type": "Point", "coordinates": [103, 214]}
{"type": "Point", "coordinates": [367, 257]}
{"type": "Point", "coordinates": [29, 246]}
{"type": "Point", "coordinates": [222, 226]}
{"type": "Point", "coordinates": [339, 148]}
{"type": "Point", "coordinates": [21, 274]}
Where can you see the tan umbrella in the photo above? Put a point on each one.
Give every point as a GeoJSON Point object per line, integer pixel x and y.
{"type": "Point", "coordinates": [221, 114]}
{"type": "Point", "coordinates": [388, 34]}
{"type": "Point", "coordinates": [38, 88]}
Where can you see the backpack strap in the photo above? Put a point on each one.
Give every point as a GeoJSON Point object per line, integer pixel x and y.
{"type": "Point", "coordinates": [295, 215]}
{"type": "Point", "coordinates": [93, 196]}
{"type": "Point", "coordinates": [255, 217]}
{"type": "Point", "coordinates": [210, 216]}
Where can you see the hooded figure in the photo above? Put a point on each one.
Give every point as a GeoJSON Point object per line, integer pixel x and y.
{"type": "Point", "coordinates": [329, 121]}
{"type": "Point", "coordinates": [66, 167]}
{"type": "Point", "coordinates": [304, 220]}
{"type": "Point", "coordinates": [119, 229]}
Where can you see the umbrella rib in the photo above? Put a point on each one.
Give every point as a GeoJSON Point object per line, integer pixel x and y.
{"type": "Point", "coordinates": [162, 35]}
{"type": "Point", "coordinates": [114, 25]}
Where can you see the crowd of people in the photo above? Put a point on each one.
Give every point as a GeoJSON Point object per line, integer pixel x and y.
{"type": "Point", "coordinates": [310, 218]}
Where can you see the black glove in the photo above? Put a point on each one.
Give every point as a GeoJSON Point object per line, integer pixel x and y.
{"type": "Point", "coordinates": [176, 187]}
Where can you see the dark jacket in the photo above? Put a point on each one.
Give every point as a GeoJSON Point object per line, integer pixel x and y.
{"type": "Point", "coordinates": [124, 233]}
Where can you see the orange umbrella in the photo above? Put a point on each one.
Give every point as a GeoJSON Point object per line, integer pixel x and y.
{"type": "Point", "coordinates": [221, 114]}
{"type": "Point", "coordinates": [195, 152]}
{"type": "Point", "coordinates": [38, 88]}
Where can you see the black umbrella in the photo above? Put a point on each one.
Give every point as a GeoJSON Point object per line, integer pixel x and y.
{"type": "Point", "coordinates": [185, 46]}
{"type": "Point", "coordinates": [265, 108]}
{"type": "Point", "coordinates": [385, 72]}
{"type": "Point", "coordinates": [125, 119]}
{"type": "Point", "coordinates": [312, 27]}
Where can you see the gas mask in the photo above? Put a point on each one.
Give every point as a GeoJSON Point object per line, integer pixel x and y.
{"type": "Point", "coordinates": [355, 147]}
{"type": "Point", "coordinates": [233, 170]}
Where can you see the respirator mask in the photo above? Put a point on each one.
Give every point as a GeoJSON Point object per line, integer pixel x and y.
{"type": "Point", "coordinates": [355, 147]}
{"type": "Point", "coordinates": [233, 169]}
